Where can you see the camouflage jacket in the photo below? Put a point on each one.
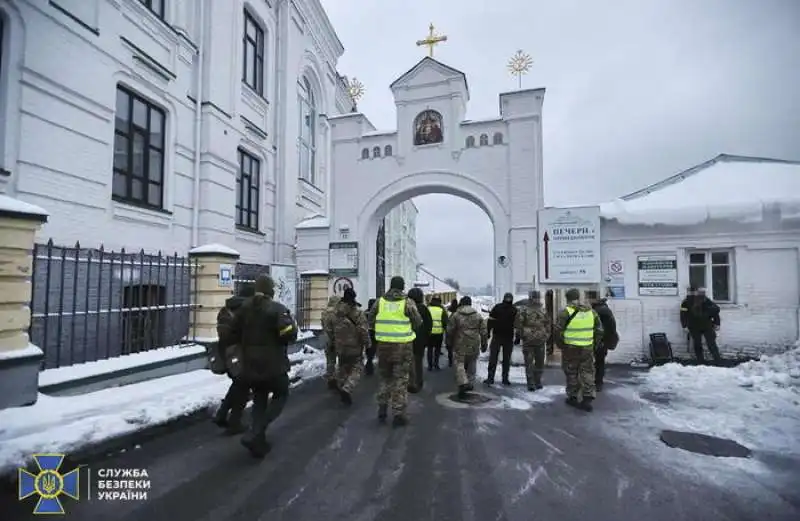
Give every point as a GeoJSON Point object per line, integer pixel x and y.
{"type": "Point", "coordinates": [350, 330]}
{"type": "Point", "coordinates": [327, 314]}
{"type": "Point", "coordinates": [558, 334]}
{"type": "Point", "coordinates": [467, 330]}
{"type": "Point", "coordinates": [532, 325]}
{"type": "Point", "coordinates": [411, 309]}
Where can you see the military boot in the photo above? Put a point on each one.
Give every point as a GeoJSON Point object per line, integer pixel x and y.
{"type": "Point", "coordinates": [383, 411]}
{"type": "Point", "coordinates": [346, 397]}
{"type": "Point", "coordinates": [257, 444]}
{"type": "Point", "coordinates": [586, 404]}
{"type": "Point", "coordinates": [369, 369]}
{"type": "Point", "coordinates": [399, 421]}
{"type": "Point", "coordinates": [462, 392]}
{"type": "Point", "coordinates": [333, 385]}
{"type": "Point", "coordinates": [573, 401]}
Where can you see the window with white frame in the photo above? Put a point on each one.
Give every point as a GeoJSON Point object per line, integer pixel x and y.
{"type": "Point", "coordinates": [307, 138]}
{"type": "Point", "coordinates": [253, 54]}
{"type": "Point", "coordinates": [713, 270]}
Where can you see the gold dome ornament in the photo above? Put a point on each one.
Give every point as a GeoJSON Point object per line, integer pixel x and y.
{"type": "Point", "coordinates": [355, 89]}
{"type": "Point", "coordinates": [519, 65]}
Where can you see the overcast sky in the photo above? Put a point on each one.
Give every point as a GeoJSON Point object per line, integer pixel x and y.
{"type": "Point", "coordinates": [636, 91]}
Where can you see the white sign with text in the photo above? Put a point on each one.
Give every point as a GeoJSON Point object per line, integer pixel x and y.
{"type": "Point", "coordinates": [569, 245]}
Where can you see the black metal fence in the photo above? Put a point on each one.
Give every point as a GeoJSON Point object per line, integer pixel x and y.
{"type": "Point", "coordinates": [92, 304]}
{"type": "Point", "coordinates": [246, 275]}
{"type": "Point", "coordinates": [303, 303]}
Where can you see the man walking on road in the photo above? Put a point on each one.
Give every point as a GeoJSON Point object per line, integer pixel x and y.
{"type": "Point", "coordinates": [262, 329]}
{"type": "Point", "coordinates": [610, 337]}
{"type": "Point", "coordinates": [423, 334]}
{"type": "Point", "coordinates": [394, 318]}
{"type": "Point", "coordinates": [501, 329]}
{"type": "Point", "coordinates": [351, 337]}
{"type": "Point", "coordinates": [439, 324]}
{"type": "Point", "coordinates": [330, 348]}
{"type": "Point", "coordinates": [369, 368]}
{"type": "Point", "coordinates": [467, 332]}
{"type": "Point", "coordinates": [532, 329]}
{"type": "Point", "coordinates": [700, 316]}
{"type": "Point", "coordinates": [577, 331]}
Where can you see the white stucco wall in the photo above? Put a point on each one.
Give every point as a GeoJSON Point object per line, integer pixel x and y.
{"type": "Point", "coordinates": [503, 179]}
{"type": "Point", "coordinates": [766, 290]}
{"type": "Point", "coordinates": [57, 102]}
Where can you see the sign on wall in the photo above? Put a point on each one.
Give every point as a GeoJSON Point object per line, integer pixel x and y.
{"type": "Point", "coordinates": [658, 275]}
{"type": "Point", "coordinates": [343, 259]}
{"type": "Point", "coordinates": [285, 277]}
{"type": "Point", "coordinates": [615, 279]}
{"type": "Point", "coordinates": [225, 275]}
{"type": "Point", "coordinates": [341, 284]}
{"type": "Point", "coordinates": [569, 245]}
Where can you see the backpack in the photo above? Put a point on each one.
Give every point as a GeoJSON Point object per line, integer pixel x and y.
{"type": "Point", "coordinates": [234, 361]}
{"type": "Point", "coordinates": [216, 359]}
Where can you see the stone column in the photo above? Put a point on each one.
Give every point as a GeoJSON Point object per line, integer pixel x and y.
{"type": "Point", "coordinates": [213, 268]}
{"type": "Point", "coordinates": [19, 359]}
{"type": "Point", "coordinates": [319, 298]}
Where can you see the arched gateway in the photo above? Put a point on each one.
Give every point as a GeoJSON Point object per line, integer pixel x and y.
{"type": "Point", "coordinates": [495, 163]}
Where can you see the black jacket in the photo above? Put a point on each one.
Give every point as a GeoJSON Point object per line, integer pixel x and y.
{"type": "Point", "coordinates": [608, 321]}
{"type": "Point", "coordinates": [423, 333]}
{"type": "Point", "coordinates": [699, 315]}
{"type": "Point", "coordinates": [501, 321]}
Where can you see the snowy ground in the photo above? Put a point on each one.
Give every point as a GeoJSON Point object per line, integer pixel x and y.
{"type": "Point", "coordinates": [65, 424]}
{"type": "Point", "coordinates": [756, 404]}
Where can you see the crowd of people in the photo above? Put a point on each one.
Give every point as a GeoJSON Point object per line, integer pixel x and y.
{"type": "Point", "coordinates": [404, 334]}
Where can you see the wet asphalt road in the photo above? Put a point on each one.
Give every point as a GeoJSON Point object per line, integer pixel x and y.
{"type": "Point", "coordinates": [549, 462]}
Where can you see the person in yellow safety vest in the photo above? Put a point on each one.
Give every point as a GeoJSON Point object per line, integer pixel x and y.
{"type": "Point", "coordinates": [577, 332]}
{"type": "Point", "coordinates": [439, 317]}
{"type": "Point", "coordinates": [394, 319]}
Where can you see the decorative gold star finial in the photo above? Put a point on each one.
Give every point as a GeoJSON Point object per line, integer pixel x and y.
{"type": "Point", "coordinates": [431, 40]}
{"type": "Point", "coordinates": [519, 65]}
{"type": "Point", "coordinates": [355, 88]}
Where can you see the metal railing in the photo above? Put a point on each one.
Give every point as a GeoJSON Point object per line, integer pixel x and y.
{"type": "Point", "coordinates": [303, 303]}
{"type": "Point", "coordinates": [92, 304]}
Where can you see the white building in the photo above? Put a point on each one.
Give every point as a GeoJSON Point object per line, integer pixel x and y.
{"type": "Point", "coordinates": [167, 124]}
{"type": "Point", "coordinates": [430, 283]}
{"type": "Point", "coordinates": [495, 163]}
{"type": "Point", "coordinates": [401, 242]}
{"type": "Point", "coordinates": [732, 225]}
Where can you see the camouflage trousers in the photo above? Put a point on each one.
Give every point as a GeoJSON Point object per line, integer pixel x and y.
{"type": "Point", "coordinates": [330, 360]}
{"type": "Point", "coordinates": [578, 365]}
{"type": "Point", "coordinates": [394, 364]}
{"type": "Point", "coordinates": [349, 372]}
{"type": "Point", "coordinates": [534, 363]}
{"type": "Point", "coordinates": [466, 367]}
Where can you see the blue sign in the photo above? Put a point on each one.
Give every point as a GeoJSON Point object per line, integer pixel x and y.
{"type": "Point", "coordinates": [616, 292]}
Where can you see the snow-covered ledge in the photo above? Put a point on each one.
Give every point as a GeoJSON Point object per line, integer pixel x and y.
{"type": "Point", "coordinates": [19, 359]}
{"type": "Point", "coordinates": [214, 266]}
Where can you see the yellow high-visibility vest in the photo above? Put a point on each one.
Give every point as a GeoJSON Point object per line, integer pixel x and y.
{"type": "Point", "coordinates": [436, 315]}
{"type": "Point", "coordinates": [580, 331]}
{"type": "Point", "coordinates": [391, 323]}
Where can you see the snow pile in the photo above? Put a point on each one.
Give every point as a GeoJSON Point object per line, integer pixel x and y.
{"type": "Point", "coordinates": [65, 424]}
{"type": "Point", "coordinates": [756, 403]}
{"type": "Point", "coordinates": [303, 335]}
{"type": "Point", "coordinates": [736, 190]}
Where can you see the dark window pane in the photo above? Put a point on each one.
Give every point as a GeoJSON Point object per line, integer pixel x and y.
{"type": "Point", "coordinates": [137, 189]}
{"type": "Point", "coordinates": [156, 166]}
{"type": "Point", "coordinates": [120, 185]}
{"type": "Point", "coordinates": [719, 257]}
{"type": "Point", "coordinates": [138, 155]}
{"type": "Point", "coordinates": [139, 114]}
{"type": "Point", "coordinates": [697, 276]}
{"type": "Point", "coordinates": [122, 109]}
{"type": "Point", "coordinates": [121, 152]}
{"type": "Point", "coordinates": [156, 129]}
{"type": "Point", "coordinates": [154, 194]}
{"type": "Point", "coordinates": [697, 258]}
{"type": "Point", "coordinates": [720, 279]}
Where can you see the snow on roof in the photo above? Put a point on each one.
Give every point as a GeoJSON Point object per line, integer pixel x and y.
{"type": "Point", "coordinates": [735, 188]}
{"type": "Point", "coordinates": [377, 133]}
{"type": "Point", "coordinates": [208, 249]}
{"type": "Point", "coordinates": [11, 205]}
{"type": "Point", "coordinates": [313, 222]}
{"type": "Point", "coordinates": [314, 272]}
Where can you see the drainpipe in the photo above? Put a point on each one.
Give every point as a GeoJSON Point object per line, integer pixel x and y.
{"type": "Point", "coordinates": [277, 135]}
{"type": "Point", "coordinates": [198, 122]}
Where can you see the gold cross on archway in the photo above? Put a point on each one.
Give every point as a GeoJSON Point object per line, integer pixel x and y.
{"type": "Point", "coordinates": [431, 40]}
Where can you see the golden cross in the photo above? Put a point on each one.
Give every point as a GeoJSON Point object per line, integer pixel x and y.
{"type": "Point", "coordinates": [431, 40]}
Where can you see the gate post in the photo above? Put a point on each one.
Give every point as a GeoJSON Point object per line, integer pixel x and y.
{"type": "Point", "coordinates": [19, 359]}
{"type": "Point", "coordinates": [213, 267]}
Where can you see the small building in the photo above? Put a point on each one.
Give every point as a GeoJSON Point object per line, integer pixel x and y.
{"type": "Point", "coordinates": [731, 225]}
{"type": "Point", "coordinates": [432, 285]}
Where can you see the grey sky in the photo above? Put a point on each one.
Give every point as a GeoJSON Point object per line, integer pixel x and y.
{"type": "Point", "coordinates": [636, 91]}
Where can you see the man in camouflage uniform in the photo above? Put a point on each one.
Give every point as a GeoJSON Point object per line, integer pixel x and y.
{"type": "Point", "coordinates": [467, 331]}
{"type": "Point", "coordinates": [577, 332]}
{"type": "Point", "coordinates": [394, 311]}
{"type": "Point", "coordinates": [351, 338]}
{"type": "Point", "coordinates": [330, 348]}
{"type": "Point", "coordinates": [532, 329]}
